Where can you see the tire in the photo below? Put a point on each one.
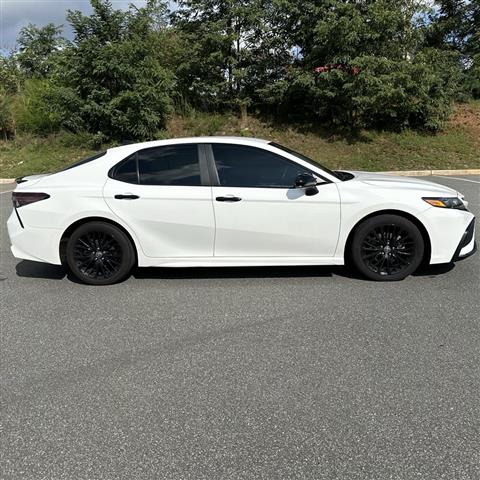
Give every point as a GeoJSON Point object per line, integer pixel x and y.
{"type": "Point", "coordinates": [99, 253]}
{"type": "Point", "coordinates": [387, 248]}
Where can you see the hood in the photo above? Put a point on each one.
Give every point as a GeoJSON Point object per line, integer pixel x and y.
{"type": "Point", "coordinates": [408, 183]}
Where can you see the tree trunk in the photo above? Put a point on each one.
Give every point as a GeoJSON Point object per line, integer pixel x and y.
{"type": "Point", "coordinates": [243, 115]}
{"type": "Point", "coordinates": [230, 55]}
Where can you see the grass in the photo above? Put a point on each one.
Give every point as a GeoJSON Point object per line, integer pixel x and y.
{"type": "Point", "coordinates": [29, 154]}
{"type": "Point", "coordinates": [456, 147]}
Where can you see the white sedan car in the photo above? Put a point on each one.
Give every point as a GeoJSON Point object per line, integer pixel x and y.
{"type": "Point", "coordinates": [219, 201]}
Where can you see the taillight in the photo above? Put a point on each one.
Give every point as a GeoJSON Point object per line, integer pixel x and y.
{"type": "Point", "coordinates": [20, 199]}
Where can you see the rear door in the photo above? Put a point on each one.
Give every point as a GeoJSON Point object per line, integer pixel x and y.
{"type": "Point", "coordinates": [163, 194]}
{"type": "Point", "coordinates": [258, 211]}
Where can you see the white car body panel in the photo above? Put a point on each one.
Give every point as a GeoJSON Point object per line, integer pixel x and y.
{"type": "Point", "coordinates": [184, 226]}
{"type": "Point", "coordinates": [277, 222]}
{"type": "Point", "coordinates": [174, 221]}
{"type": "Point", "coordinates": [444, 226]}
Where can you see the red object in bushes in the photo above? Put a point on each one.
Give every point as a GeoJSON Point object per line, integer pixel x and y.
{"type": "Point", "coordinates": [337, 66]}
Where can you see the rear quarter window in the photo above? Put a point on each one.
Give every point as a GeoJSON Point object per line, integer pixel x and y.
{"type": "Point", "coordinates": [84, 161]}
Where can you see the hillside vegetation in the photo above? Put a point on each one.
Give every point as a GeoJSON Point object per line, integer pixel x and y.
{"type": "Point", "coordinates": [322, 68]}
{"type": "Point", "coordinates": [370, 84]}
{"type": "Point", "coordinates": [456, 147]}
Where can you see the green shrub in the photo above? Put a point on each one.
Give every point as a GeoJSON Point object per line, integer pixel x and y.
{"type": "Point", "coordinates": [204, 124]}
{"type": "Point", "coordinates": [46, 107]}
{"type": "Point", "coordinates": [7, 124]}
{"type": "Point", "coordinates": [415, 93]}
{"type": "Point", "coordinates": [10, 75]}
{"type": "Point", "coordinates": [472, 78]}
{"type": "Point", "coordinates": [373, 92]}
{"type": "Point", "coordinates": [37, 111]}
{"type": "Point", "coordinates": [112, 66]}
{"type": "Point", "coordinates": [81, 139]}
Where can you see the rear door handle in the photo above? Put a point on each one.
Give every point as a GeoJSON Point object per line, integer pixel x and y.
{"type": "Point", "coordinates": [126, 196]}
{"type": "Point", "coordinates": [228, 198]}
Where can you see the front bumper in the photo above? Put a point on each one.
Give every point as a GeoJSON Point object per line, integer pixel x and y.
{"type": "Point", "coordinates": [467, 246]}
{"type": "Point", "coordinates": [446, 230]}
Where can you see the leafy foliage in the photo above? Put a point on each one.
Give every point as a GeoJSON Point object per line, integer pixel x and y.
{"type": "Point", "coordinates": [339, 31]}
{"type": "Point", "coordinates": [45, 106]}
{"type": "Point", "coordinates": [10, 75]}
{"type": "Point", "coordinates": [368, 63]}
{"type": "Point", "coordinates": [112, 68]}
{"type": "Point", "coordinates": [236, 50]}
{"type": "Point", "coordinates": [378, 75]}
{"type": "Point", "coordinates": [39, 48]}
{"type": "Point", "coordinates": [455, 26]}
{"type": "Point", "coordinates": [7, 126]}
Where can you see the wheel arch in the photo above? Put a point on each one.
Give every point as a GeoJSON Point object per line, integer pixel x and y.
{"type": "Point", "coordinates": [68, 232]}
{"type": "Point", "coordinates": [426, 237]}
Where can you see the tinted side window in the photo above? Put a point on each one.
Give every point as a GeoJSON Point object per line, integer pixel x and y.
{"type": "Point", "coordinates": [241, 166]}
{"type": "Point", "coordinates": [169, 165]}
{"type": "Point", "coordinates": [127, 170]}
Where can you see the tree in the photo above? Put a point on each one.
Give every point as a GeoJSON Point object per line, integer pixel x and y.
{"type": "Point", "coordinates": [112, 68]}
{"type": "Point", "coordinates": [236, 50]}
{"type": "Point", "coordinates": [455, 26]}
{"type": "Point", "coordinates": [38, 48]}
{"type": "Point", "coordinates": [363, 64]}
{"type": "Point", "coordinates": [334, 31]}
{"type": "Point", "coordinates": [351, 63]}
{"type": "Point", "coordinates": [448, 25]}
{"type": "Point", "coordinates": [473, 29]}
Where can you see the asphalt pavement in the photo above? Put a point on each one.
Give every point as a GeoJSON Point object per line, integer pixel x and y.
{"type": "Point", "coordinates": [240, 373]}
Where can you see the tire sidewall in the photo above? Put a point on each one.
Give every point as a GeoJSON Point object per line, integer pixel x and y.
{"type": "Point", "coordinates": [379, 220]}
{"type": "Point", "coordinates": [128, 254]}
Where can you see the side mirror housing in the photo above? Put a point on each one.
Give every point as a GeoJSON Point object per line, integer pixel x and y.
{"type": "Point", "coordinates": [305, 180]}
{"type": "Point", "coordinates": [308, 182]}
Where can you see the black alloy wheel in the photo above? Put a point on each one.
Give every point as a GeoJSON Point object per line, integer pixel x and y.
{"type": "Point", "coordinates": [387, 247]}
{"type": "Point", "coordinates": [99, 253]}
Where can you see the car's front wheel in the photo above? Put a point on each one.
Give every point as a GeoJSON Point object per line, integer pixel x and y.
{"type": "Point", "coordinates": [99, 253]}
{"type": "Point", "coordinates": [387, 248]}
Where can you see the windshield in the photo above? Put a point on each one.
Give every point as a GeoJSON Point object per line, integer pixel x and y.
{"type": "Point", "coordinates": [306, 159]}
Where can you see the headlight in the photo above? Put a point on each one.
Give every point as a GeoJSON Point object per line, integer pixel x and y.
{"type": "Point", "coordinates": [445, 202]}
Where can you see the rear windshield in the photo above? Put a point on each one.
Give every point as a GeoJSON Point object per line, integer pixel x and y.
{"type": "Point", "coordinates": [84, 160]}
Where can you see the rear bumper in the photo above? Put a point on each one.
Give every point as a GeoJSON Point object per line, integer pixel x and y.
{"type": "Point", "coordinates": [467, 245]}
{"type": "Point", "coordinates": [37, 244]}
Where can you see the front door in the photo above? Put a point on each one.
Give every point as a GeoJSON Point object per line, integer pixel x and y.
{"type": "Point", "coordinates": [259, 213]}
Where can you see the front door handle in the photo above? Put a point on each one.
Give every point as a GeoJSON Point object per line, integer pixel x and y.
{"type": "Point", "coordinates": [126, 196]}
{"type": "Point", "coordinates": [228, 198]}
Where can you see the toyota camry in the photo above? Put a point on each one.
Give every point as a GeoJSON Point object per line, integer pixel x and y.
{"type": "Point", "coordinates": [220, 201]}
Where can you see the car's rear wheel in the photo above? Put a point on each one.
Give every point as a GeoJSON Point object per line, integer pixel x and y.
{"type": "Point", "coordinates": [99, 253]}
{"type": "Point", "coordinates": [387, 248]}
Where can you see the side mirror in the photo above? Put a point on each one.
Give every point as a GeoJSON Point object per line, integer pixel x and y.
{"type": "Point", "coordinates": [308, 182]}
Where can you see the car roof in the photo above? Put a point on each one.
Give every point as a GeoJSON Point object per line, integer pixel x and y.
{"type": "Point", "coordinates": [132, 147]}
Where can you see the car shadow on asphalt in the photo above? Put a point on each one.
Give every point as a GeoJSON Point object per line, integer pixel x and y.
{"type": "Point", "coordinates": [234, 272]}
{"type": "Point", "coordinates": [27, 268]}
{"type": "Point", "coordinates": [271, 272]}
{"type": "Point", "coordinates": [434, 270]}
{"type": "Point", "coordinates": [30, 269]}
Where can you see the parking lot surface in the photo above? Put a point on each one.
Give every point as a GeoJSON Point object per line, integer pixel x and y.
{"type": "Point", "coordinates": [240, 373]}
